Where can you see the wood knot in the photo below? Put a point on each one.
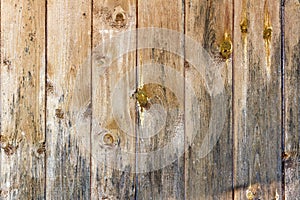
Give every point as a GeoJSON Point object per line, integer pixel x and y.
{"type": "Point", "coordinates": [49, 87]}
{"type": "Point", "coordinates": [9, 149]}
{"type": "Point", "coordinates": [226, 47]}
{"type": "Point", "coordinates": [32, 36]}
{"type": "Point", "coordinates": [109, 138]}
{"type": "Point", "coordinates": [244, 26]}
{"type": "Point", "coordinates": [142, 98]}
{"type": "Point", "coordinates": [267, 33]}
{"type": "Point", "coordinates": [41, 148]}
{"type": "Point", "coordinates": [119, 17]}
{"type": "Point", "coordinates": [289, 157]}
{"type": "Point", "coordinates": [59, 113]}
{"type": "Point", "coordinates": [253, 192]}
{"type": "Point", "coordinates": [249, 194]}
{"type": "Point", "coordinates": [7, 63]}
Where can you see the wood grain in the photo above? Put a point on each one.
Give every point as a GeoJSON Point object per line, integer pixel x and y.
{"type": "Point", "coordinates": [291, 155]}
{"type": "Point", "coordinates": [68, 50]}
{"type": "Point", "coordinates": [209, 177]}
{"type": "Point", "coordinates": [167, 182]}
{"type": "Point", "coordinates": [22, 168]}
{"type": "Point", "coordinates": [112, 173]}
{"type": "Point", "coordinates": [257, 100]}
{"type": "Point", "coordinates": [70, 88]}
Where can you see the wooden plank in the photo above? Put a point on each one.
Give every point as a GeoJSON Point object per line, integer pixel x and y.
{"type": "Point", "coordinates": [159, 181]}
{"type": "Point", "coordinates": [68, 91]}
{"type": "Point", "coordinates": [257, 100]}
{"type": "Point", "coordinates": [291, 154]}
{"type": "Point", "coordinates": [22, 169]}
{"type": "Point", "coordinates": [112, 170]}
{"type": "Point", "coordinates": [209, 176]}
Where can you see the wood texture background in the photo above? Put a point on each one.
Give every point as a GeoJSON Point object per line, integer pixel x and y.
{"type": "Point", "coordinates": [52, 87]}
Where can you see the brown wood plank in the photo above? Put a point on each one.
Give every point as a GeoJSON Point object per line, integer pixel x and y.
{"type": "Point", "coordinates": [159, 181]}
{"type": "Point", "coordinates": [209, 176]}
{"type": "Point", "coordinates": [291, 155]}
{"type": "Point", "coordinates": [257, 100]}
{"type": "Point", "coordinates": [22, 169]}
{"type": "Point", "coordinates": [112, 171]}
{"type": "Point", "coordinates": [68, 92]}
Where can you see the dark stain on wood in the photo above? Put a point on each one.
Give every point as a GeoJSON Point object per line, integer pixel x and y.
{"type": "Point", "coordinates": [10, 149]}
{"type": "Point", "coordinates": [42, 148]}
{"type": "Point", "coordinates": [59, 113]}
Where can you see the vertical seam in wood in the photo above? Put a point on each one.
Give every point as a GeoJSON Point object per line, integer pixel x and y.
{"type": "Point", "coordinates": [45, 88]}
{"type": "Point", "coordinates": [233, 102]}
{"type": "Point", "coordinates": [282, 63]}
{"type": "Point", "coordinates": [184, 103]}
{"type": "Point", "coordinates": [0, 77]}
{"type": "Point", "coordinates": [91, 93]}
{"type": "Point", "coordinates": [136, 105]}
{"type": "Point", "coordinates": [0, 72]}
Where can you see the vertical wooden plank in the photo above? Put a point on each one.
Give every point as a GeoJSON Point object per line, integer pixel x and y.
{"type": "Point", "coordinates": [209, 23]}
{"type": "Point", "coordinates": [22, 99]}
{"type": "Point", "coordinates": [291, 155]}
{"type": "Point", "coordinates": [257, 100]}
{"type": "Point", "coordinates": [159, 181]}
{"type": "Point", "coordinates": [112, 170]}
{"type": "Point", "coordinates": [68, 91]}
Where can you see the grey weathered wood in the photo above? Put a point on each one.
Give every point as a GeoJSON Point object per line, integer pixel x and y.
{"type": "Point", "coordinates": [68, 51]}
{"type": "Point", "coordinates": [257, 100]}
{"type": "Point", "coordinates": [167, 182]}
{"type": "Point", "coordinates": [56, 100]}
{"type": "Point", "coordinates": [22, 169]}
{"type": "Point", "coordinates": [111, 18]}
{"type": "Point", "coordinates": [291, 155]}
{"type": "Point", "coordinates": [210, 177]}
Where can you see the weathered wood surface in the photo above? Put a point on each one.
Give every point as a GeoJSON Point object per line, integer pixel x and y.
{"type": "Point", "coordinates": [111, 18]}
{"type": "Point", "coordinates": [291, 153]}
{"type": "Point", "coordinates": [22, 100]}
{"type": "Point", "coordinates": [168, 182]}
{"type": "Point", "coordinates": [68, 47]}
{"type": "Point", "coordinates": [210, 24]}
{"type": "Point", "coordinates": [69, 94]}
{"type": "Point", "coordinates": [257, 99]}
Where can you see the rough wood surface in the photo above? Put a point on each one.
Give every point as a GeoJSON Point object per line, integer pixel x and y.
{"type": "Point", "coordinates": [257, 100]}
{"type": "Point", "coordinates": [168, 182]}
{"type": "Point", "coordinates": [75, 110]}
{"type": "Point", "coordinates": [291, 154]}
{"type": "Point", "coordinates": [112, 174]}
{"type": "Point", "coordinates": [68, 48]}
{"type": "Point", "coordinates": [22, 169]}
{"type": "Point", "coordinates": [209, 177]}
